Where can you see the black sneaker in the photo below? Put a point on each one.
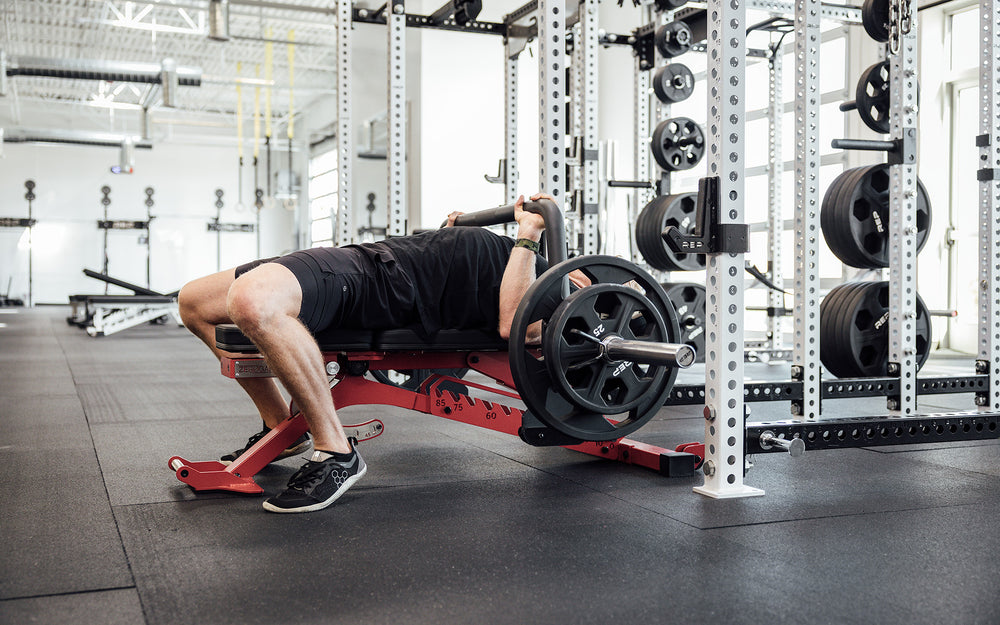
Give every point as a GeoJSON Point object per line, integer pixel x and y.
{"type": "Point", "coordinates": [318, 484]}
{"type": "Point", "coordinates": [300, 445]}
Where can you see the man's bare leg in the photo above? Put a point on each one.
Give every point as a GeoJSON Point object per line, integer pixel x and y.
{"type": "Point", "coordinates": [265, 304]}
{"type": "Point", "coordinates": [202, 305]}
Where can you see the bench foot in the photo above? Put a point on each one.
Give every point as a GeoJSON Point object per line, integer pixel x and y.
{"type": "Point", "coordinates": [212, 475]}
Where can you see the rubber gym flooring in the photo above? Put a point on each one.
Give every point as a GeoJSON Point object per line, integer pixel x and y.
{"type": "Point", "coordinates": [454, 524]}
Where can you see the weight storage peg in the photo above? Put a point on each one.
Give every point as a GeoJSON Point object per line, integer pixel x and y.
{"type": "Point", "coordinates": [795, 446]}
{"type": "Point", "coordinates": [673, 83]}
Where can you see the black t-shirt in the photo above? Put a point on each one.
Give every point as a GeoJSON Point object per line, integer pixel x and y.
{"type": "Point", "coordinates": [456, 274]}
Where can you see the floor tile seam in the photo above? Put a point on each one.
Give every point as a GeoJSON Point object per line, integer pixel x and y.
{"type": "Point", "coordinates": [104, 481]}
{"type": "Point", "coordinates": [579, 483]}
{"type": "Point", "coordinates": [222, 495]}
{"type": "Point", "coordinates": [70, 593]}
{"type": "Point", "coordinates": [839, 516]}
{"type": "Point", "coordinates": [961, 470]}
{"type": "Point", "coordinates": [955, 445]}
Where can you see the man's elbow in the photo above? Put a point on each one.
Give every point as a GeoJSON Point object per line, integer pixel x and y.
{"type": "Point", "coordinates": [504, 330]}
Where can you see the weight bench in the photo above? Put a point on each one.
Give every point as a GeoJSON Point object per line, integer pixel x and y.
{"type": "Point", "coordinates": [102, 315]}
{"type": "Point", "coordinates": [349, 354]}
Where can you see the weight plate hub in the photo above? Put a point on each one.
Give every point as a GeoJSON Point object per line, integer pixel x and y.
{"type": "Point", "coordinates": [575, 355]}
{"type": "Point", "coordinates": [553, 384]}
{"type": "Point", "coordinates": [667, 210]}
{"type": "Point", "coordinates": [673, 39]}
{"type": "Point", "coordinates": [673, 83]}
{"type": "Point", "coordinates": [854, 216]}
{"type": "Point", "coordinates": [854, 330]}
{"type": "Point", "coordinates": [688, 299]}
{"type": "Point", "coordinates": [678, 144]}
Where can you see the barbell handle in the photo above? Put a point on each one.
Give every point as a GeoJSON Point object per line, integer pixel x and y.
{"type": "Point", "coordinates": [554, 235]}
{"type": "Point", "coordinates": [795, 446]}
{"type": "Point", "coordinates": [650, 353]}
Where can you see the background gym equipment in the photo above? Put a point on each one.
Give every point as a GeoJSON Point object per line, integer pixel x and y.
{"type": "Point", "coordinates": [875, 19]}
{"type": "Point", "coordinates": [673, 39]}
{"type": "Point", "coordinates": [688, 299]}
{"type": "Point", "coordinates": [663, 211]}
{"type": "Point", "coordinates": [871, 97]}
{"type": "Point", "coordinates": [102, 315]}
{"type": "Point", "coordinates": [459, 11]}
{"type": "Point", "coordinates": [677, 144]}
{"type": "Point", "coordinates": [218, 228]}
{"type": "Point", "coordinates": [855, 216]}
{"type": "Point", "coordinates": [124, 224]}
{"type": "Point", "coordinates": [673, 83]}
{"type": "Point", "coordinates": [21, 222]}
{"type": "Point", "coordinates": [854, 330]}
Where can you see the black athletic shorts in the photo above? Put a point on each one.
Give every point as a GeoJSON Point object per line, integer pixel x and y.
{"type": "Point", "coordinates": [345, 288]}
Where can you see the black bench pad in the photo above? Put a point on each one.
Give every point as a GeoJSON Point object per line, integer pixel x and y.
{"type": "Point", "coordinates": [229, 338]}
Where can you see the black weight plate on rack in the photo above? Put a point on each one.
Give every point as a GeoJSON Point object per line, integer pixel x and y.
{"type": "Point", "coordinates": [673, 83]}
{"type": "Point", "coordinates": [668, 210]}
{"type": "Point", "coordinates": [838, 234]}
{"type": "Point", "coordinates": [872, 97]}
{"type": "Point", "coordinates": [827, 311]}
{"type": "Point", "coordinates": [669, 5]}
{"type": "Point", "coordinates": [865, 333]}
{"type": "Point", "coordinates": [829, 218]}
{"type": "Point", "coordinates": [673, 39]}
{"type": "Point", "coordinates": [677, 144]}
{"type": "Point", "coordinates": [832, 353]}
{"type": "Point", "coordinates": [530, 371]}
{"type": "Point", "coordinates": [827, 212]}
{"type": "Point", "coordinates": [843, 366]}
{"type": "Point", "coordinates": [875, 19]}
{"type": "Point", "coordinates": [688, 299]}
{"type": "Point", "coordinates": [866, 206]}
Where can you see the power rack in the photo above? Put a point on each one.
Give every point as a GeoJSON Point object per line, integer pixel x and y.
{"type": "Point", "coordinates": [568, 173]}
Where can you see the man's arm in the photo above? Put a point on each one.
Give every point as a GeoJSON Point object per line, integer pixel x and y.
{"type": "Point", "coordinates": [520, 270]}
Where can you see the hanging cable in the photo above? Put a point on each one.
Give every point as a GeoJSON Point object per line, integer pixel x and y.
{"type": "Point", "coordinates": [290, 202]}
{"type": "Point", "coordinates": [269, 77]}
{"type": "Point", "coordinates": [239, 135]}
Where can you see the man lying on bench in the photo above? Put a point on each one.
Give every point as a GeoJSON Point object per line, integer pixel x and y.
{"type": "Point", "coordinates": [454, 278]}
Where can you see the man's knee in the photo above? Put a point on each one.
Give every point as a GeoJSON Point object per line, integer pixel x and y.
{"type": "Point", "coordinates": [260, 296]}
{"type": "Point", "coordinates": [189, 302]}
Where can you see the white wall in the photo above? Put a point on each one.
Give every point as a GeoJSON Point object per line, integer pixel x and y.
{"type": "Point", "coordinates": [66, 239]}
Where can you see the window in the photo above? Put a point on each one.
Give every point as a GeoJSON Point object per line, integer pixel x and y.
{"type": "Point", "coordinates": [323, 198]}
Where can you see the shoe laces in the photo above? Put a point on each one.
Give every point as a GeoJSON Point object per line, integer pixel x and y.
{"type": "Point", "coordinates": [309, 475]}
{"type": "Point", "coordinates": [253, 439]}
